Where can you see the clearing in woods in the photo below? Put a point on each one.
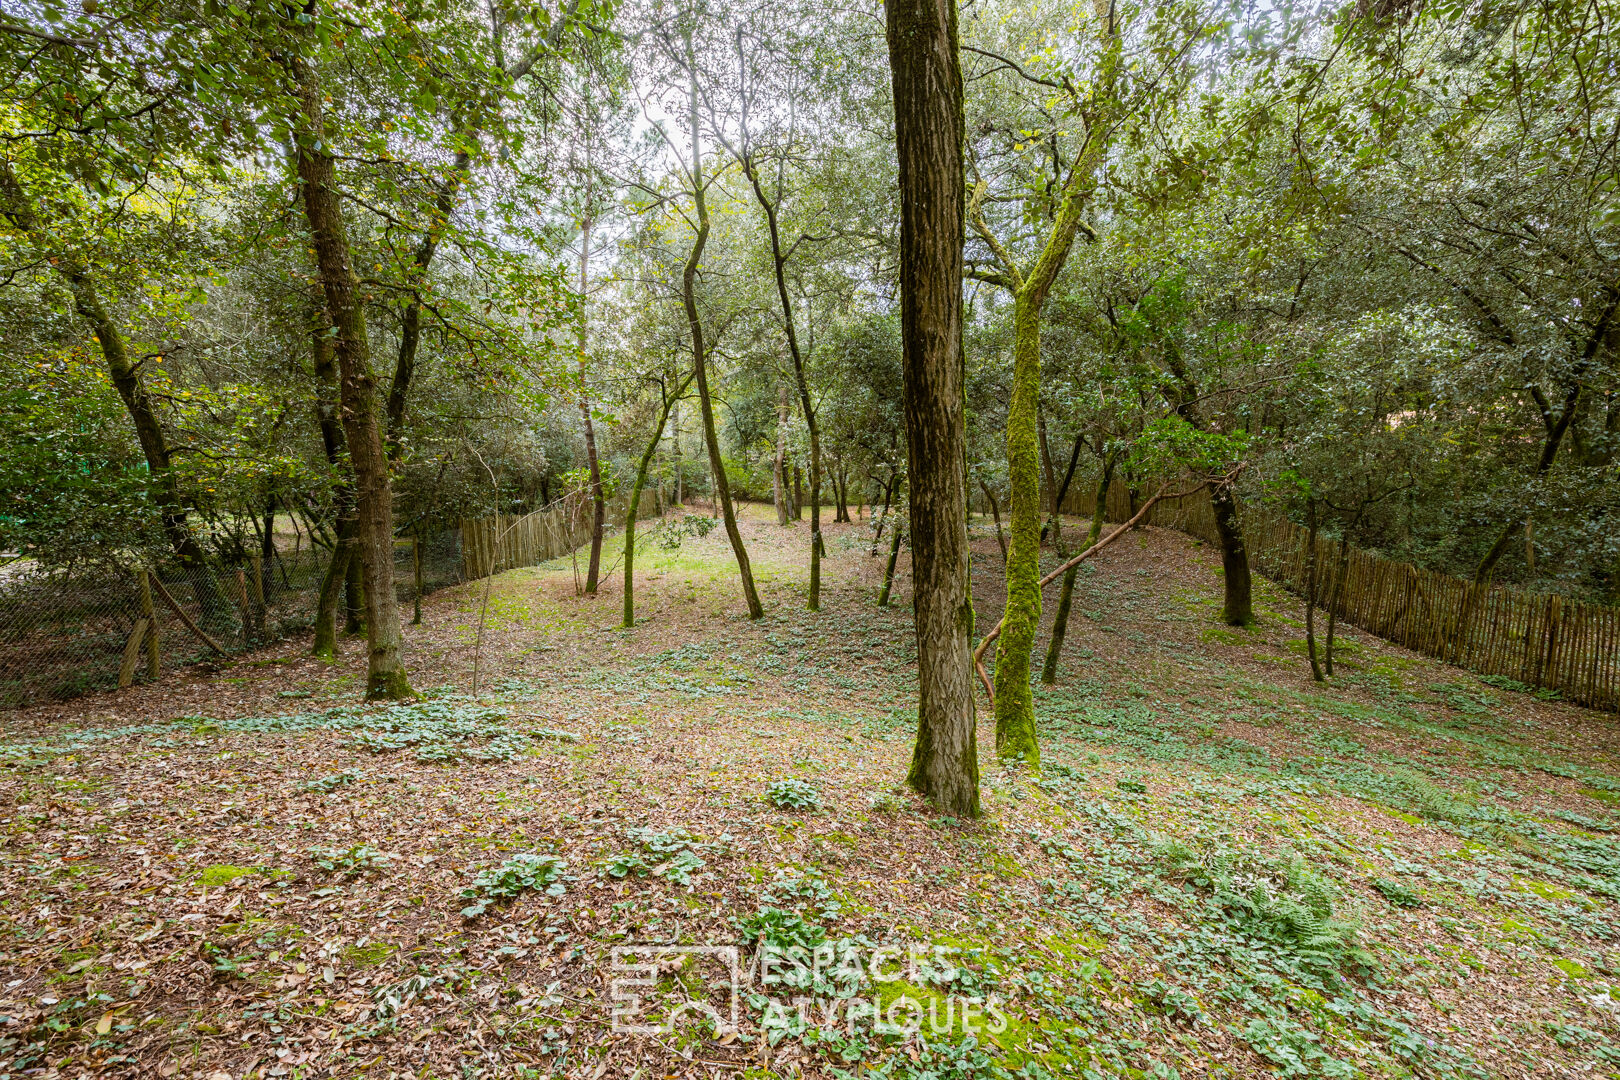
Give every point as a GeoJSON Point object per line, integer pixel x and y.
{"type": "Point", "coordinates": [1224, 870]}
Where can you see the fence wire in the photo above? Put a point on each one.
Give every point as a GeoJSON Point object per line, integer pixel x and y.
{"type": "Point", "coordinates": [66, 634]}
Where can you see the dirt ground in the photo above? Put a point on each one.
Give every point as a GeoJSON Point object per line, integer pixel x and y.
{"type": "Point", "coordinates": [1221, 869]}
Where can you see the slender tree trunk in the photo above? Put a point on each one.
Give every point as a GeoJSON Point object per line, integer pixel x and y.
{"type": "Point", "coordinates": [888, 571]}
{"type": "Point", "coordinates": [717, 466]}
{"type": "Point", "coordinates": [841, 491]}
{"type": "Point", "coordinates": [995, 512]}
{"type": "Point", "coordinates": [386, 677]}
{"type": "Point", "coordinates": [781, 454]}
{"type": "Point", "coordinates": [680, 465]}
{"type": "Point", "coordinates": [798, 493]}
{"type": "Point", "coordinates": [1333, 601]}
{"type": "Point", "coordinates": [635, 503]}
{"type": "Point", "coordinates": [1238, 609]}
{"type": "Point", "coordinates": [1060, 618]}
{"type": "Point", "coordinates": [1310, 588]}
{"type": "Point", "coordinates": [598, 504]}
{"type": "Point", "coordinates": [883, 518]}
{"type": "Point", "coordinates": [928, 123]}
{"type": "Point", "coordinates": [354, 599]}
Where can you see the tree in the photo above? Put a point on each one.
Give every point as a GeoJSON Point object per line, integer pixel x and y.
{"type": "Point", "coordinates": [927, 80]}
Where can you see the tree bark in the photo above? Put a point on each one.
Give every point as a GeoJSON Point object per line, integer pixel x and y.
{"type": "Point", "coordinates": [779, 489]}
{"type": "Point", "coordinates": [717, 466]}
{"type": "Point", "coordinates": [927, 80]}
{"type": "Point", "coordinates": [888, 570]}
{"type": "Point", "coordinates": [374, 534]}
{"type": "Point", "coordinates": [598, 504]}
{"type": "Point", "coordinates": [635, 502]}
{"type": "Point", "coordinates": [1333, 603]}
{"type": "Point", "coordinates": [1310, 588]}
{"type": "Point", "coordinates": [1015, 705]}
{"type": "Point", "coordinates": [324, 647]}
{"type": "Point", "coordinates": [1238, 609]}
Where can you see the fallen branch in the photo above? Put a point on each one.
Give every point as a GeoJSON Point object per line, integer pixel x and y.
{"type": "Point", "coordinates": [178, 610]}
{"type": "Point", "coordinates": [1140, 516]}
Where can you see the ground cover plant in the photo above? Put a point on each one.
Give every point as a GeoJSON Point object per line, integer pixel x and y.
{"type": "Point", "coordinates": [1223, 869]}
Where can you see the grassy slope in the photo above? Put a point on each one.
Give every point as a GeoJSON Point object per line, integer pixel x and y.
{"type": "Point", "coordinates": [1225, 870]}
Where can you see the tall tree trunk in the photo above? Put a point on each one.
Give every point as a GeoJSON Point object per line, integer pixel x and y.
{"type": "Point", "coordinates": [1310, 588]}
{"type": "Point", "coordinates": [324, 647]}
{"type": "Point", "coordinates": [1333, 601]}
{"type": "Point", "coordinates": [779, 489]}
{"type": "Point", "coordinates": [841, 491]}
{"type": "Point", "coordinates": [680, 465]}
{"type": "Point", "coordinates": [779, 264]}
{"type": "Point", "coordinates": [374, 534]}
{"type": "Point", "coordinates": [995, 512]}
{"type": "Point", "coordinates": [717, 466]}
{"type": "Point", "coordinates": [598, 504]}
{"type": "Point", "coordinates": [635, 503]}
{"type": "Point", "coordinates": [1014, 705]}
{"type": "Point", "coordinates": [1060, 618]}
{"type": "Point", "coordinates": [927, 79]}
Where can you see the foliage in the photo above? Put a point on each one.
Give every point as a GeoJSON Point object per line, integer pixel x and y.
{"type": "Point", "coordinates": [519, 874]}
{"type": "Point", "coordinates": [793, 794]}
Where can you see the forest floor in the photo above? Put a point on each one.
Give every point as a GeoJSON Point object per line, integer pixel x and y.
{"type": "Point", "coordinates": [1223, 869]}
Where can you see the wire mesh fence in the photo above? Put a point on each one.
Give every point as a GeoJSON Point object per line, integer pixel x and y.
{"type": "Point", "coordinates": [66, 634]}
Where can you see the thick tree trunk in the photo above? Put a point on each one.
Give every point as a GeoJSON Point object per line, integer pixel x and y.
{"type": "Point", "coordinates": [374, 534]}
{"type": "Point", "coordinates": [1015, 706]}
{"type": "Point", "coordinates": [635, 503]}
{"type": "Point", "coordinates": [928, 123]}
{"type": "Point", "coordinates": [1060, 618]}
{"type": "Point", "coordinates": [717, 466]}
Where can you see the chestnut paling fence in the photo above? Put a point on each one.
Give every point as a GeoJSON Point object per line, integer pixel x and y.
{"type": "Point", "coordinates": [1538, 639]}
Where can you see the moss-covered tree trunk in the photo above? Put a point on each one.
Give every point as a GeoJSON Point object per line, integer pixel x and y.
{"type": "Point", "coordinates": [1015, 707]}
{"type": "Point", "coordinates": [374, 533]}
